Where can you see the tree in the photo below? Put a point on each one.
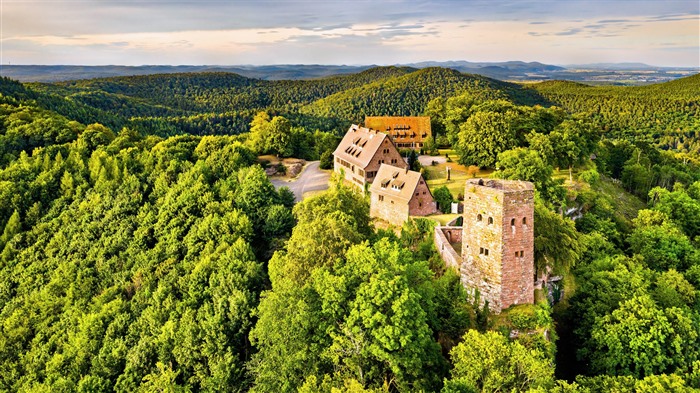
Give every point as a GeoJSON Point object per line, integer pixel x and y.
{"type": "Point", "coordinates": [279, 137]}
{"type": "Point", "coordinates": [95, 135]}
{"type": "Point", "coordinates": [557, 245]}
{"type": "Point", "coordinates": [444, 198]}
{"type": "Point", "coordinates": [640, 339]}
{"type": "Point", "coordinates": [662, 244]}
{"type": "Point", "coordinates": [12, 227]}
{"type": "Point", "coordinates": [488, 362]}
{"type": "Point", "coordinates": [573, 142]}
{"type": "Point", "coordinates": [528, 165]}
{"type": "Point", "coordinates": [483, 136]}
{"type": "Point", "coordinates": [259, 132]}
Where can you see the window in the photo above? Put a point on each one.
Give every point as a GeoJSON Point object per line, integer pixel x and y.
{"type": "Point", "coordinates": [490, 220]}
{"type": "Point", "coordinates": [512, 222]}
{"type": "Point", "coordinates": [478, 217]}
{"type": "Point", "coordinates": [521, 253]}
{"type": "Point", "coordinates": [524, 220]}
{"type": "Point", "coordinates": [381, 198]}
{"type": "Point", "coordinates": [420, 204]}
{"type": "Point", "coordinates": [486, 251]}
{"type": "Point", "coordinates": [481, 250]}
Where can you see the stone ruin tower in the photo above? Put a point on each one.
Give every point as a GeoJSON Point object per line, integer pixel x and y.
{"type": "Point", "coordinates": [498, 241]}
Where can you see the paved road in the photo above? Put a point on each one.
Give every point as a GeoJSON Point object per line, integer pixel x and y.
{"type": "Point", "coordinates": [428, 160]}
{"type": "Point", "coordinates": [311, 178]}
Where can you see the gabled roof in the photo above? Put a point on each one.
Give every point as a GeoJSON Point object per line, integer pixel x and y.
{"type": "Point", "coordinates": [403, 125]}
{"type": "Point", "coordinates": [396, 182]}
{"type": "Point", "coordinates": [359, 145]}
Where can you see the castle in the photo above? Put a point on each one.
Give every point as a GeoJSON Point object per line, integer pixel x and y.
{"type": "Point", "coordinates": [497, 242]}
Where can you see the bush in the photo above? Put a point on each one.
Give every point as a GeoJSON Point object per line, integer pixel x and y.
{"type": "Point", "coordinates": [444, 199]}
{"type": "Point", "coordinates": [326, 160]}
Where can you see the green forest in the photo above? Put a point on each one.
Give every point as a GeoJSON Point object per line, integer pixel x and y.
{"type": "Point", "coordinates": [144, 249]}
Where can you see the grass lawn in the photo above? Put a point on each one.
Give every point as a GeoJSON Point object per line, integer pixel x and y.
{"type": "Point", "coordinates": [443, 219]}
{"type": "Point", "coordinates": [436, 175]}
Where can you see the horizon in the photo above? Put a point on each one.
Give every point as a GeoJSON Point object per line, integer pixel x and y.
{"type": "Point", "coordinates": [160, 32]}
{"type": "Point", "coordinates": [370, 65]}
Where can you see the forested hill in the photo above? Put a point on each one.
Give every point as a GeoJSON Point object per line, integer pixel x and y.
{"type": "Point", "coordinates": [224, 103]}
{"type": "Point", "coordinates": [192, 93]}
{"type": "Point", "coordinates": [666, 113]}
{"type": "Point", "coordinates": [409, 94]}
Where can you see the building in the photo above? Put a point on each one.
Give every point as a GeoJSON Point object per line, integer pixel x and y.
{"type": "Point", "coordinates": [360, 154]}
{"type": "Point", "coordinates": [498, 241]}
{"type": "Point", "coordinates": [407, 132]}
{"type": "Point", "coordinates": [398, 193]}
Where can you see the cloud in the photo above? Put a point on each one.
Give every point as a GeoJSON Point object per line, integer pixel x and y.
{"type": "Point", "coordinates": [363, 32]}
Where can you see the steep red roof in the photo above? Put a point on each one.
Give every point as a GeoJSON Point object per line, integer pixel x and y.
{"type": "Point", "coordinates": [359, 145]}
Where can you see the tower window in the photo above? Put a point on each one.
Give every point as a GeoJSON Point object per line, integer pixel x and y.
{"type": "Point", "coordinates": [490, 220]}
{"type": "Point", "coordinates": [478, 217]}
{"type": "Point", "coordinates": [512, 222]}
{"type": "Point", "coordinates": [524, 220]}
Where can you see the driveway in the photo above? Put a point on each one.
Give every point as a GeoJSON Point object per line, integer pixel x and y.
{"type": "Point", "coordinates": [311, 178]}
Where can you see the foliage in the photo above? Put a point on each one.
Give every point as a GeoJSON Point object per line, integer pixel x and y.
{"type": "Point", "coordinates": [488, 362]}
{"type": "Point", "coordinates": [444, 198]}
{"type": "Point", "coordinates": [640, 339]}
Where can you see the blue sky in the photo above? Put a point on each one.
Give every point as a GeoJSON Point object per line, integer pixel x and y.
{"type": "Point", "coordinates": [128, 32]}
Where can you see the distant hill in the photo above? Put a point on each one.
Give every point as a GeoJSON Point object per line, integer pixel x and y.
{"type": "Point", "coordinates": [409, 94]}
{"type": "Point", "coordinates": [626, 73]}
{"type": "Point", "coordinates": [59, 73]}
{"type": "Point", "coordinates": [668, 113]}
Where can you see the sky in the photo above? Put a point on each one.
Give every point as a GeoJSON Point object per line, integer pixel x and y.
{"type": "Point", "coordinates": [353, 32]}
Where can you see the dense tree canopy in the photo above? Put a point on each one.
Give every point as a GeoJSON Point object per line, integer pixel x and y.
{"type": "Point", "coordinates": [143, 249]}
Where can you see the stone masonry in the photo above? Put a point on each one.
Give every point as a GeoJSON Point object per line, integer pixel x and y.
{"type": "Point", "coordinates": [498, 241]}
{"type": "Point", "coordinates": [398, 193]}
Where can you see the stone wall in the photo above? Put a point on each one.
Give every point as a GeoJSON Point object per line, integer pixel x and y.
{"type": "Point", "coordinates": [386, 154]}
{"type": "Point", "coordinates": [390, 209]}
{"type": "Point", "coordinates": [490, 241]}
{"type": "Point", "coordinates": [422, 202]}
{"type": "Point", "coordinates": [351, 174]}
{"type": "Point", "coordinates": [443, 237]}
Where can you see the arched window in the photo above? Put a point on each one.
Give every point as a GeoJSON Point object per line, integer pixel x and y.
{"type": "Point", "coordinates": [524, 220]}
{"type": "Point", "coordinates": [478, 217]}
{"type": "Point", "coordinates": [490, 220]}
{"type": "Point", "coordinates": [512, 222]}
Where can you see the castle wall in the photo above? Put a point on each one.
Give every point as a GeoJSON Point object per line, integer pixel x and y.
{"type": "Point", "coordinates": [444, 236]}
{"type": "Point", "coordinates": [490, 242]}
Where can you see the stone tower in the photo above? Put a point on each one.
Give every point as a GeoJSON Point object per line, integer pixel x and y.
{"type": "Point", "coordinates": [498, 241]}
